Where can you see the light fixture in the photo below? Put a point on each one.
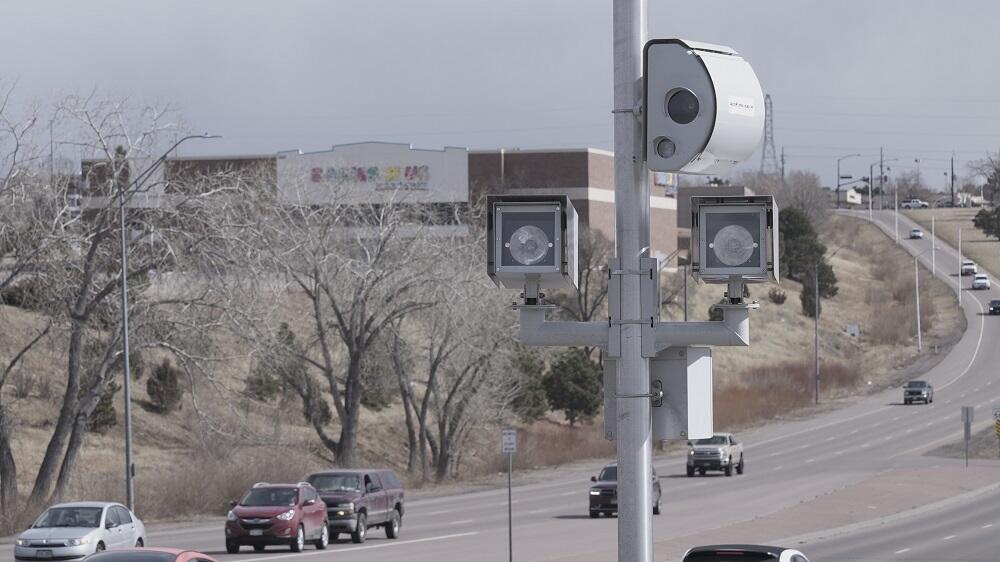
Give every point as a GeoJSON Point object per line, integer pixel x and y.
{"type": "Point", "coordinates": [735, 237]}
{"type": "Point", "coordinates": [531, 239]}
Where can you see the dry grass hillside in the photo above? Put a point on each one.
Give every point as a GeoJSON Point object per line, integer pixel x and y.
{"type": "Point", "coordinates": [192, 461]}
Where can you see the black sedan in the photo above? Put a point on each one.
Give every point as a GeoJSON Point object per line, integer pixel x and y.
{"type": "Point", "coordinates": [995, 306]}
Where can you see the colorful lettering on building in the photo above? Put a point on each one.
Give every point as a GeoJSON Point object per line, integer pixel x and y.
{"type": "Point", "coordinates": [389, 177]}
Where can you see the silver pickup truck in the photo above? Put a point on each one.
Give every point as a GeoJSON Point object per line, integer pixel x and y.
{"type": "Point", "coordinates": [718, 452]}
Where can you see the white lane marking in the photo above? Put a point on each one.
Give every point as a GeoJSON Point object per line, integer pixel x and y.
{"type": "Point", "coordinates": [840, 452]}
{"type": "Point", "coordinates": [948, 538]}
{"type": "Point", "coordinates": [853, 432]}
{"type": "Point", "coordinates": [902, 551]}
{"type": "Point", "coordinates": [831, 438]}
{"type": "Point", "coordinates": [355, 548]}
{"type": "Point", "coordinates": [439, 512]}
{"type": "Point", "coordinates": [810, 460]}
{"type": "Point", "coordinates": [505, 503]}
{"type": "Point", "coordinates": [537, 511]}
{"type": "Point", "coordinates": [569, 494]}
{"type": "Point", "coordinates": [461, 522]}
{"type": "Point", "coordinates": [909, 430]}
{"type": "Point", "coordinates": [866, 445]}
{"type": "Point", "coordinates": [804, 446]}
{"type": "Point", "coordinates": [778, 468]}
{"type": "Point", "coordinates": [987, 526]}
{"type": "Point", "coordinates": [888, 437]}
{"type": "Point", "coordinates": [893, 419]}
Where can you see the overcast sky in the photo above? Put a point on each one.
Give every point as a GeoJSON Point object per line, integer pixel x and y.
{"type": "Point", "coordinates": [921, 78]}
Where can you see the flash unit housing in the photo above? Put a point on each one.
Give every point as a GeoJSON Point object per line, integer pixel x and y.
{"type": "Point", "coordinates": [531, 239]}
{"type": "Point", "coordinates": [734, 236]}
{"type": "Point", "coordinates": [703, 107]}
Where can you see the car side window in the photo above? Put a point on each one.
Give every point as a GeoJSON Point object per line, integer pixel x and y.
{"type": "Point", "coordinates": [123, 516]}
{"type": "Point", "coordinates": [111, 517]}
{"type": "Point", "coordinates": [376, 484]}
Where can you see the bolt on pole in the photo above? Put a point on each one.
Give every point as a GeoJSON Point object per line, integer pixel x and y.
{"type": "Point", "coordinates": [635, 445]}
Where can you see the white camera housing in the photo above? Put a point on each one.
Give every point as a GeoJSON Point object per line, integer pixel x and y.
{"type": "Point", "coordinates": [703, 108]}
{"type": "Point", "coordinates": [531, 239]}
{"type": "Point", "coordinates": [734, 237]}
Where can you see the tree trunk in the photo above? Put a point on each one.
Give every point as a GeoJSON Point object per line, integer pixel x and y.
{"type": "Point", "coordinates": [406, 395]}
{"type": "Point", "coordinates": [8, 467]}
{"type": "Point", "coordinates": [72, 453]}
{"type": "Point", "coordinates": [347, 446]}
{"type": "Point", "coordinates": [53, 452]}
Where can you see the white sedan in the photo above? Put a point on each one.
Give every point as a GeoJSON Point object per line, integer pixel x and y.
{"type": "Point", "coordinates": [981, 281]}
{"type": "Point", "coordinates": [916, 233]}
{"type": "Point", "coordinates": [72, 531]}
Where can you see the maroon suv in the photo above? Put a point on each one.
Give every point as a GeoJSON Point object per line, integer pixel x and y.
{"type": "Point", "coordinates": [277, 514]}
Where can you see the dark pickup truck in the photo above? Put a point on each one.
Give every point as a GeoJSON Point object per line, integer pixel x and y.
{"type": "Point", "coordinates": [358, 499]}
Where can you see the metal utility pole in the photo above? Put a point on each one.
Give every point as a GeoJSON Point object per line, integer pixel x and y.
{"type": "Point", "coordinates": [916, 284]}
{"type": "Point", "coordinates": [127, 382]}
{"type": "Point", "coordinates": [933, 247]}
{"type": "Point", "coordinates": [953, 179]}
{"type": "Point", "coordinates": [871, 192]}
{"type": "Point", "coordinates": [782, 165]}
{"type": "Point", "coordinates": [895, 211]}
{"type": "Point", "coordinates": [839, 177]}
{"type": "Point", "coordinates": [959, 267]}
{"type": "Point", "coordinates": [634, 431]}
{"type": "Point", "coordinates": [816, 324]}
{"type": "Point", "coordinates": [881, 178]}
{"type": "Point", "coordinates": [686, 273]}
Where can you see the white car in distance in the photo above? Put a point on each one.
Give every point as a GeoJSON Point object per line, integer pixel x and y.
{"type": "Point", "coordinates": [73, 531]}
{"type": "Point", "coordinates": [981, 281]}
{"type": "Point", "coordinates": [969, 267]}
{"type": "Point", "coordinates": [916, 234]}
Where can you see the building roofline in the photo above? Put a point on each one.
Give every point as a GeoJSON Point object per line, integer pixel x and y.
{"type": "Point", "coordinates": [516, 150]}
{"type": "Point", "coordinates": [333, 148]}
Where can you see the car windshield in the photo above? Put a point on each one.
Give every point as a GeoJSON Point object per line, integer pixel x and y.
{"type": "Point", "coordinates": [69, 517]}
{"type": "Point", "coordinates": [336, 482]}
{"type": "Point", "coordinates": [995, 302]}
{"type": "Point", "coordinates": [916, 384]}
{"type": "Point", "coordinates": [609, 474]}
{"type": "Point", "coordinates": [270, 496]}
{"type": "Point", "coordinates": [968, 263]}
{"type": "Point", "coordinates": [728, 556]}
{"type": "Point", "coordinates": [714, 440]}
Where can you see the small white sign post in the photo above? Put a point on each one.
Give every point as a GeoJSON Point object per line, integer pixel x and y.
{"type": "Point", "coordinates": [508, 445]}
{"type": "Point", "coordinates": [968, 414]}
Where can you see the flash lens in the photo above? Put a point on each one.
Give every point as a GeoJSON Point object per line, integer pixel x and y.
{"type": "Point", "coordinates": [529, 245]}
{"type": "Point", "coordinates": [733, 245]}
{"type": "Point", "coordinates": [665, 147]}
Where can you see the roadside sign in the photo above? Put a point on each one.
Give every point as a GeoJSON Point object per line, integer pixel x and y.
{"type": "Point", "coordinates": [968, 414]}
{"type": "Point", "coordinates": [508, 440]}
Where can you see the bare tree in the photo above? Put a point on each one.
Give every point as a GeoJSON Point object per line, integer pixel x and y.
{"type": "Point", "coordinates": [588, 300]}
{"type": "Point", "coordinates": [989, 168]}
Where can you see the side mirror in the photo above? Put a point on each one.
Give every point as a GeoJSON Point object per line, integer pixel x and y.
{"type": "Point", "coordinates": [690, 444]}
{"type": "Point", "coordinates": [310, 502]}
{"type": "Point", "coordinates": [233, 503]}
{"type": "Point", "coordinates": [110, 525]}
{"type": "Point", "coordinates": [593, 479]}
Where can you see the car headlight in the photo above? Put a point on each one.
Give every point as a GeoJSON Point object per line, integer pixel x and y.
{"type": "Point", "coordinates": [230, 516]}
{"type": "Point", "coordinates": [77, 542]}
{"type": "Point", "coordinates": [691, 453]}
{"type": "Point", "coordinates": [595, 492]}
{"type": "Point", "coordinates": [21, 542]}
{"type": "Point", "coordinates": [287, 516]}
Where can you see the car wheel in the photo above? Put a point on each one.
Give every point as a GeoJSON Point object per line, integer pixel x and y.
{"type": "Point", "coordinates": [729, 468]}
{"type": "Point", "coordinates": [594, 514]}
{"type": "Point", "coordinates": [232, 547]}
{"type": "Point", "coordinates": [656, 506]}
{"type": "Point", "coordinates": [690, 471]}
{"type": "Point", "coordinates": [139, 543]}
{"type": "Point", "coordinates": [258, 548]}
{"type": "Point", "coordinates": [100, 547]}
{"type": "Point", "coordinates": [361, 530]}
{"type": "Point", "coordinates": [299, 542]}
{"type": "Point", "coordinates": [701, 471]}
{"type": "Point", "coordinates": [907, 402]}
{"type": "Point", "coordinates": [740, 467]}
{"type": "Point", "coordinates": [392, 527]}
{"type": "Point", "coordinates": [324, 538]}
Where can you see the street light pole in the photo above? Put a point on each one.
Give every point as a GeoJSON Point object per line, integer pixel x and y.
{"type": "Point", "coordinates": [131, 188]}
{"type": "Point", "coordinates": [933, 247]}
{"type": "Point", "coordinates": [816, 324]}
{"type": "Point", "coordinates": [839, 178]}
{"type": "Point", "coordinates": [916, 284]}
{"type": "Point", "coordinates": [634, 430]}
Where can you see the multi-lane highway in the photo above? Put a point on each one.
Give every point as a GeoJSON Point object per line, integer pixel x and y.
{"type": "Point", "coordinates": [789, 464]}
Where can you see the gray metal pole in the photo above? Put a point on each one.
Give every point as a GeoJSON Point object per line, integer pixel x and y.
{"type": "Point", "coordinates": [933, 247]}
{"type": "Point", "coordinates": [881, 178]}
{"type": "Point", "coordinates": [686, 273]}
{"type": "Point", "coordinates": [916, 284]}
{"type": "Point", "coordinates": [959, 267]}
{"type": "Point", "coordinates": [510, 511]}
{"type": "Point", "coordinates": [838, 183]}
{"type": "Point", "coordinates": [127, 384]}
{"type": "Point", "coordinates": [635, 445]}
{"type": "Point", "coordinates": [871, 195]}
{"type": "Point", "coordinates": [816, 325]}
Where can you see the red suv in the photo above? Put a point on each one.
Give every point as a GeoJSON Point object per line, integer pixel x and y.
{"type": "Point", "coordinates": [277, 514]}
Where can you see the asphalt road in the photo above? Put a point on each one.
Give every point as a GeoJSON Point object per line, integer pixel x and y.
{"type": "Point", "coordinates": [787, 463]}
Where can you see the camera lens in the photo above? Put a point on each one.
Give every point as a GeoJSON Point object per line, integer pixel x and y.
{"type": "Point", "coordinates": [733, 245]}
{"type": "Point", "coordinates": [683, 106]}
{"type": "Point", "coordinates": [665, 147]}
